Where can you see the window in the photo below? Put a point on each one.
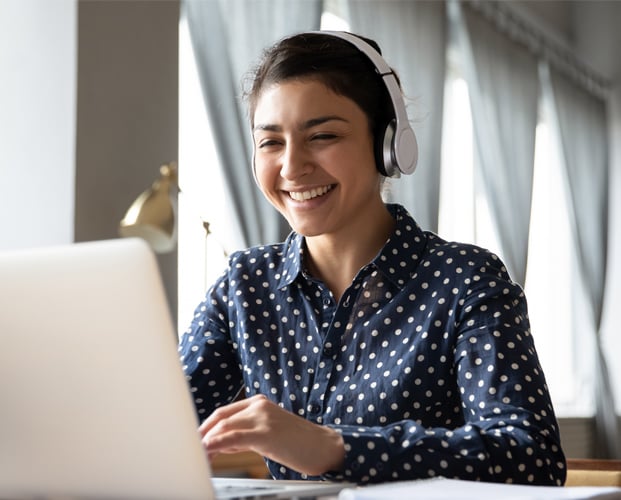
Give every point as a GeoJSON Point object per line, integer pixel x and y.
{"type": "Point", "coordinates": [201, 256]}
{"type": "Point", "coordinates": [549, 273]}
{"type": "Point", "coordinates": [465, 216]}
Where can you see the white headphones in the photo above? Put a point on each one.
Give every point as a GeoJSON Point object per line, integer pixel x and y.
{"type": "Point", "coordinates": [396, 150]}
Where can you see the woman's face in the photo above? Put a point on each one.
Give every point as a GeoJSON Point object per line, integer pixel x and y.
{"type": "Point", "coordinates": [314, 158]}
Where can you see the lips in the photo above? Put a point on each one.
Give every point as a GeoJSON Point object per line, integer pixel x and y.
{"type": "Point", "coordinates": [310, 194]}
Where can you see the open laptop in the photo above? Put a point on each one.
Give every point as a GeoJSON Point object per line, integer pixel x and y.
{"type": "Point", "coordinates": [93, 400]}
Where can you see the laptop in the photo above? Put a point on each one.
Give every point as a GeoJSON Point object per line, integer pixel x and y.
{"type": "Point", "coordinates": [93, 400]}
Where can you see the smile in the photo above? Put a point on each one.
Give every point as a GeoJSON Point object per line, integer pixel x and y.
{"type": "Point", "coordinates": [309, 195]}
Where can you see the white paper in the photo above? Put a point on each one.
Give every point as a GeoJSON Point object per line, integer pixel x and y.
{"type": "Point", "coordinates": [451, 489]}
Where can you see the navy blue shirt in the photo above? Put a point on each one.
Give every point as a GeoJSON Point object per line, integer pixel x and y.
{"type": "Point", "coordinates": [426, 365]}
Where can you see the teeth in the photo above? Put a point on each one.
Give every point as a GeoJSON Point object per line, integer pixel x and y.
{"type": "Point", "coordinates": [308, 195]}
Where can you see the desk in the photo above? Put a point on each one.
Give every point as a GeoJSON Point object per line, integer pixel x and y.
{"type": "Point", "coordinates": [244, 464]}
{"type": "Point", "coordinates": [593, 472]}
{"type": "Point", "coordinates": [580, 472]}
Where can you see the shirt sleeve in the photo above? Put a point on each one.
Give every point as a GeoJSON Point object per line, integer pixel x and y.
{"type": "Point", "coordinates": [509, 432]}
{"type": "Point", "coordinates": [208, 354]}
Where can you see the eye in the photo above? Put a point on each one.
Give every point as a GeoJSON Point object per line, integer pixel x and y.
{"type": "Point", "coordinates": [266, 143]}
{"type": "Point", "coordinates": [323, 136]}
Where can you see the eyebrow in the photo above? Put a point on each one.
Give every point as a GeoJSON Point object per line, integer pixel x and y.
{"type": "Point", "coordinates": [313, 122]}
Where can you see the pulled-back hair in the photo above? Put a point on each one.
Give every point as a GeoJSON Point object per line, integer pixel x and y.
{"type": "Point", "coordinates": [335, 62]}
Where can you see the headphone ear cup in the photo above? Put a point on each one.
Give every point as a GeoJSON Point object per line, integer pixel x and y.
{"type": "Point", "coordinates": [378, 150]}
{"type": "Point", "coordinates": [384, 151]}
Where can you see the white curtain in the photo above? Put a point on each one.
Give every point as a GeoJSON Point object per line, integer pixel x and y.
{"type": "Point", "coordinates": [503, 84]}
{"type": "Point", "coordinates": [228, 37]}
{"type": "Point", "coordinates": [412, 36]}
{"type": "Point", "coordinates": [581, 123]}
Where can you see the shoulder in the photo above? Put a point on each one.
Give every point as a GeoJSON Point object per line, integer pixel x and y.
{"type": "Point", "coordinates": [471, 273]}
{"type": "Point", "coordinates": [267, 262]}
{"type": "Point", "coordinates": [255, 262]}
{"type": "Point", "coordinates": [465, 255]}
{"type": "Point", "coordinates": [476, 277]}
{"type": "Point", "coordinates": [256, 256]}
{"type": "Point", "coordinates": [432, 256]}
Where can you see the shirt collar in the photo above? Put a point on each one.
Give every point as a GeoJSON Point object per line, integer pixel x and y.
{"type": "Point", "coordinates": [397, 260]}
{"type": "Point", "coordinates": [405, 248]}
{"type": "Point", "coordinates": [293, 258]}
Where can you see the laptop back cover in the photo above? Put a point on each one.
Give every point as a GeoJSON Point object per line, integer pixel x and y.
{"type": "Point", "coordinates": [93, 399]}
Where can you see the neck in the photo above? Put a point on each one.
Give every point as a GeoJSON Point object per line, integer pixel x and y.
{"type": "Point", "coordinates": [336, 259]}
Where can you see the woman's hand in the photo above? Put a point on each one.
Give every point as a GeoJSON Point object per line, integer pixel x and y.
{"type": "Point", "coordinates": [258, 425]}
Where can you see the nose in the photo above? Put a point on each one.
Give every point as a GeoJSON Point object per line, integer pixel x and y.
{"type": "Point", "coordinates": [295, 162]}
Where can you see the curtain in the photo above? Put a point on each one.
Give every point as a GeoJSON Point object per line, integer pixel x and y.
{"type": "Point", "coordinates": [581, 124]}
{"type": "Point", "coordinates": [228, 37]}
{"type": "Point", "coordinates": [412, 36]}
{"type": "Point", "coordinates": [502, 79]}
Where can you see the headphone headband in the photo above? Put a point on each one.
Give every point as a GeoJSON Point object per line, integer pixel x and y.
{"type": "Point", "coordinates": [399, 148]}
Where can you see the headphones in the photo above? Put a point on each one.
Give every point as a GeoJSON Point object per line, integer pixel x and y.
{"type": "Point", "coordinates": [396, 149]}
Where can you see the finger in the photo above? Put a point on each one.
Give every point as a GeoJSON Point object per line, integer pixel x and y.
{"type": "Point", "coordinates": [239, 427]}
{"type": "Point", "coordinates": [220, 414]}
{"type": "Point", "coordinates": [258, 426]}
{"type": "Point", "coordinates": [233, 441]}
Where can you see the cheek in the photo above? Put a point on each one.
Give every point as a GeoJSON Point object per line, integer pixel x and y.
{"type": "Point", "coordinates": [264, 175]}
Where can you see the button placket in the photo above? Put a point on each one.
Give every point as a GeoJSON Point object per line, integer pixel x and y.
{"type": "Point", "coordinates": [336, 317]}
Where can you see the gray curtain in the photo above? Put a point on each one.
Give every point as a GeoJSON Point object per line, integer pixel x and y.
{"type": "Point", "coordinates": [502, 79]}
{"type": "Point", "coordinates": [412, 36]}
{"type": "Point", "coordinates": [228, 37]}
{"type": "Point", "coordinates": [581, 121]}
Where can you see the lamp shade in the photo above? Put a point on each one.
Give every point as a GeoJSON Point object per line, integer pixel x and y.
{"type": "Point", "coordinates": [152, 216]}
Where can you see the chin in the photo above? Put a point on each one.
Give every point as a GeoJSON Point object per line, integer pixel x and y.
{"type": "Point", "coordinates": [305, 230]}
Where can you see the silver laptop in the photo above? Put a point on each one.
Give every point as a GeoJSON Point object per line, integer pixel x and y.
{"type": "Point", "coordinates": [93, 401]}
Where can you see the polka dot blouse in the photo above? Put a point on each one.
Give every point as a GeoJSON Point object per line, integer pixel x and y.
{"type": "Point", "coordinates": [426, 365]}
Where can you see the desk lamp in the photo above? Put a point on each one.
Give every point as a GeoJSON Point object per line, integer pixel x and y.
{"type": "Point", "coordinates": [152, 216]}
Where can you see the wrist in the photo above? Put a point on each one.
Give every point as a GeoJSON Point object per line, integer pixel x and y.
{"type": "Point", "coordinates": [334, 452]}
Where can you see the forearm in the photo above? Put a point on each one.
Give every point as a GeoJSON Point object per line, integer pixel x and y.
{"type": "Point", "coordinates": [210, 365]}
{"type": "Point", "coordinates": [489, 452]}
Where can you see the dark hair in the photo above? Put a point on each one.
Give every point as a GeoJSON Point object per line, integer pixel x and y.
{"type": "Point", "coordinates": [331, 60]}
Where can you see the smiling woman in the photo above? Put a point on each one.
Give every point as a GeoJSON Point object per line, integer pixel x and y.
{"type": "Point", "coordinates": [359, 296]}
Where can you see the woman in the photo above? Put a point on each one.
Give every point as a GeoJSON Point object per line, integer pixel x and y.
{"type": "Point", "coordinates": [369, 349]}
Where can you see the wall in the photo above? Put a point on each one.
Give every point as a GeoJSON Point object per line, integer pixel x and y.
{"type": "Point", "coordinates": [37, 125]}
{"type": "Point", "coordinates": [127, 112]}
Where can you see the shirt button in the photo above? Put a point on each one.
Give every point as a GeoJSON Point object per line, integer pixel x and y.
{"type": "Point", "coordinates": [326, 302]}
{"type": "Point", "coordinates": [327, 351]}
{"type": "Point", "coordinates": [313, 409]}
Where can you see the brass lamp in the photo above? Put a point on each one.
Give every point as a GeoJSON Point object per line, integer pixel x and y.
{"type": "Point", "coordinates": [152, 216]}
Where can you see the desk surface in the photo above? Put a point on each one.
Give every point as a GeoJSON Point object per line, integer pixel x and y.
{"type": "Point", "coordinates": [593, 464]}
